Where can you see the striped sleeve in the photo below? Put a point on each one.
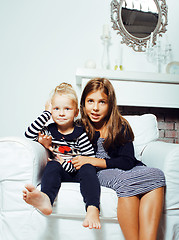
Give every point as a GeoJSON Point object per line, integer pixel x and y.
{"type": "Point", "coordinates": [85, 146]}
{"type": "Point", "coordinates": [68, 167]}
{"type": "Point", "coordinates": [38, 126]}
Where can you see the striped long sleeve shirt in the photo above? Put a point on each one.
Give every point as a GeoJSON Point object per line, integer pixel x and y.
{"type": "Point", "coordinates": [67, 146]}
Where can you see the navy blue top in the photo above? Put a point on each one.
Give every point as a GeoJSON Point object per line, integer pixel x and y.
{"type": "Point", "coordinates": [121, 156]}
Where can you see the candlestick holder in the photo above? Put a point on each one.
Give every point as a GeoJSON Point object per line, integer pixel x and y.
{"type": "Point", "coordinates": [105, 62]}
{"type": "Point", "coordinates": [159, 54]}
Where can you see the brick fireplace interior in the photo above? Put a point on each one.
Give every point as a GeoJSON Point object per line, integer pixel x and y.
{"type": "Point", "coordinates": [167, 118]}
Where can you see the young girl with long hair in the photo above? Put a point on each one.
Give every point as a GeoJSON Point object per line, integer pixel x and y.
{"type": "Point", "coordinates": [140, 189]}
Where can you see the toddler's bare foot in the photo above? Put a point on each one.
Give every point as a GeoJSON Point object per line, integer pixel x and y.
{"type": "Point", "coordinates": [92, 218]}
{"type": "Point", "coordinates": [37, 199]}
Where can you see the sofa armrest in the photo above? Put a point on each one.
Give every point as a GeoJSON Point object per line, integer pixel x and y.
{"type": "Point", "coordinates": [21, 159]}
{"type": "Point", "coordinates": [166, 157]}
{"type": "Point", "coordinates": [21, 162]}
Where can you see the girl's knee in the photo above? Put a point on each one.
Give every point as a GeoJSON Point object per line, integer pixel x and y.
{"type": "Point", "coordinates": [87, 167]}
{"type": "Point", "coordinates": [54, 166]}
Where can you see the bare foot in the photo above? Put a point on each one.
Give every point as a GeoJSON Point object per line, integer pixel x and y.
{"type": "Point", "coordinates": [92, 218]}
{"type": "Point", "coordinates": [37, 199]}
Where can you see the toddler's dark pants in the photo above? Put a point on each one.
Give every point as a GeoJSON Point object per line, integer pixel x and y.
{"type": "Point", "coordinates": [54, 175]}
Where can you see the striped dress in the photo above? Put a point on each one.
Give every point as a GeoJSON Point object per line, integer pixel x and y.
{"type": "Point", "coordinates": [136, 181]}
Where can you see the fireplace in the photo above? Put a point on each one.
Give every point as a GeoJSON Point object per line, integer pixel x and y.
{"type": "Point", "coordinates": [140, 93]}
{"type": "Point", "coordinates": [167, 118]}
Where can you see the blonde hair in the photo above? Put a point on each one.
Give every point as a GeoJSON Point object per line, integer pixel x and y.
{"type": "Point", "coordinates": [119, 130]}
{"type": "Point", "coordinates": [66, 89]}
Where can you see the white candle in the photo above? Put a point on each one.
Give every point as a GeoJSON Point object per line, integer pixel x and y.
{"type": "Point", "coordinates": [120, 53]}
{"type": "Point", "coordinates": [147, 44]}
{"type": "Point", "coordinates": [151, 39]}
{"type": "Point", "coordinates": [105, 31]}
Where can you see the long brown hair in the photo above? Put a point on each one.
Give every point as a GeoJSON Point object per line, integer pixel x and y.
{"type": "Point", "coordinates": [119, 130]}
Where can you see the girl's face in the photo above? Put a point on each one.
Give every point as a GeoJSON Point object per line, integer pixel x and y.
{"type": "Point", "coordinates": [96, 106]}
{"type": "Point", "coordinates": [63, 111]}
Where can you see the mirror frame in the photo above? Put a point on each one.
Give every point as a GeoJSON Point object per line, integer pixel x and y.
{"type": "Point", "coordinates": [138, 44]}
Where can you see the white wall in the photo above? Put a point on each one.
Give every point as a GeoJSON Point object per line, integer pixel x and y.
{"type": "Point", "coordinates": [43, 42]}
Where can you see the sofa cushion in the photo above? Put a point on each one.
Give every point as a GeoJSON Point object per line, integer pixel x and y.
{"type": "Point", "coordinates": [69, 202]}
{"type": "Point", "coordinates": [145, 128]}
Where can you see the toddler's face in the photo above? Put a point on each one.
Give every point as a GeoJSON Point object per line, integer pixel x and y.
{"type": "Point", "coordinates": [63, 110]}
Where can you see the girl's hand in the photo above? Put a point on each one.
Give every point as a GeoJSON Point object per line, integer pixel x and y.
{"type": "Point", "coordinates": [48, 106]}
{"type": "Point", "coordinates": [79, 161]}
{"type": "Point", "coordinates": [45, 140]}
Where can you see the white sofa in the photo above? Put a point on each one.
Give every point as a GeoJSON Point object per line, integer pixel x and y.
{"type": "Point", "coordinates": [22, 161]}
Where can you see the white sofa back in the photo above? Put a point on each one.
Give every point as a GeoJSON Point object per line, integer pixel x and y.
{"type": "Point", "coordinates": [145, 128]}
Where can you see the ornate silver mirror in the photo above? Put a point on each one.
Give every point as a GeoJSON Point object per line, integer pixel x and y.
{"type": "Point", "coordinates": [139, 22]}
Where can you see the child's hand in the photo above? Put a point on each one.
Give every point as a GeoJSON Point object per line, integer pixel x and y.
{"type": "Point", "coordinates": [48, 106]}
{"type": "Point", "coordinates": [79, 161]}
{"type": "Point", "coordinates": [45, 140]}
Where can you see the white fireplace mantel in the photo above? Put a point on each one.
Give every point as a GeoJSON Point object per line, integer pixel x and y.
{"type": "Point", "coordinates": [137, 88]}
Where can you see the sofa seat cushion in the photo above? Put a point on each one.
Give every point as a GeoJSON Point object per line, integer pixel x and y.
{"type": "Point", "coordinates": [69, 202]}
